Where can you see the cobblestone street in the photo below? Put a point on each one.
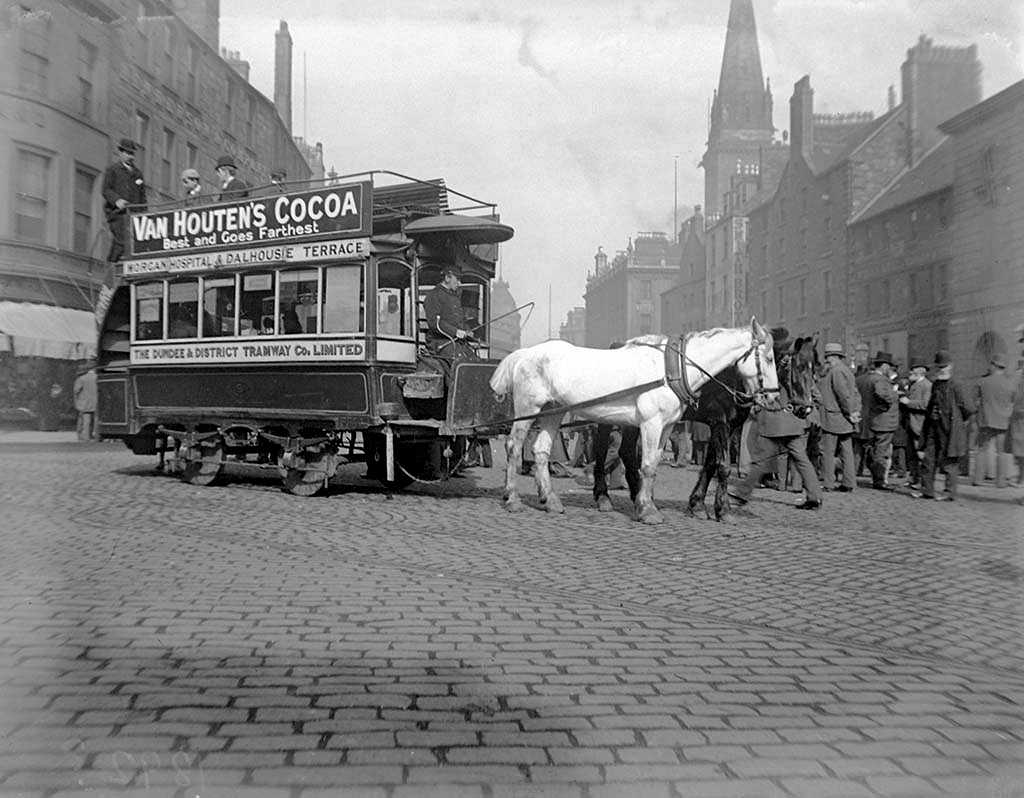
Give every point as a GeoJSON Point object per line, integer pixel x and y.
{"type": "Point", "coordinates": [159, 639]}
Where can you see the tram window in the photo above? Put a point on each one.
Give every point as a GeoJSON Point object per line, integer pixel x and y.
{"type": "Point", "coordinates": [149, 311]}
{"type": "Point", "coordinates": [343, 299]}
{"type": "Point", "coordinates": [394, 298]}
{"type": "Point", "coordinates": [183, 309]}
{"type": "Point", "coordinates": [299, 303]}
{"type": "Point", "coordinates": [218, 306]}
{"type": "Point", "coordinates": [257, 304]}
{"type": "Point", "coordinates": [474, 309]}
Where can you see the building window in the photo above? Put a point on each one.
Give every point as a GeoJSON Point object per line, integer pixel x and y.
{"type": "Point", "coordinates": [193, 70]}
{"type": "Point", "coordinates": [942, 281]}
{"type": "Point", "coordinates": [229, 101]}
{"type": "Point", "coordinates": [644, 290]}
{"type": "Point", "coordinates": [913, 224]}
{"type": "Point", "coordinates": [85, 179]}
{"type": "Point", "coordinates": [826, 227]}
{"type": "Point", "coordinates": [32, 195]}
{"type": "Point", "coordinates": [912, 290]}
{"type": "Point", "coordinates": [826, 279]}
{"type": "Point", "coordinates": [35, 51]}
{"type": "Point", "coordinates": [942, 338]}
{"type": "Point", "coordinates": [86, 68]}
{"type": "Point", "coordinates": [886, 235]}
{"type": "Point", "coordinates": [142, 139]}
{"type": "Point", "coordinates": [803, 296]}
{"type": "Point", "coordinates": [167, 162]}
{"type": "Point", "coordinates": [886, 296]}
{"type": "Point", "coordinates": [170, 45]}
{"type": "Point", "coordinates": [869, 240]}
{"type": "Point", "coordinates": [866, 300]}
{"type": "Point", "coordinates": [645, 324]}
{"type": "Point", "coordinates": [191, 155]}
{"type": "Point", "coordinates": [943, 209]}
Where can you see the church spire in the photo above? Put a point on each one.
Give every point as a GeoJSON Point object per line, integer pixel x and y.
{"type": "Point", "coordinates": [743, 101]}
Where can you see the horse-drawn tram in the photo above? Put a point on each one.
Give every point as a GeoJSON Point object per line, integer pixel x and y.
{"type": "Point", "coordinates": [286, 331]}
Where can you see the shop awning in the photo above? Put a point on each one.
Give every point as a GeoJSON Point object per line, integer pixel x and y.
{"type": "Point", "coordinates": [30, 330]}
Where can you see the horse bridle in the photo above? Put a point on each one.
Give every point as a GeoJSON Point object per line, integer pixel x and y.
{"type": "Point", "coordinates": [741, 398]}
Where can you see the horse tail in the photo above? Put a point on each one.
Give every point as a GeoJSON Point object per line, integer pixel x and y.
{"type": "Point", "coordinates": [502, 379]}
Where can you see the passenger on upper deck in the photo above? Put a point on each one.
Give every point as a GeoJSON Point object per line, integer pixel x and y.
{"type": "Point", "coordinates": [123, 186]}
{"type": "Point", "coordinates": [231, 187]}
{"type": "Point", "coordinates": [191, 185]}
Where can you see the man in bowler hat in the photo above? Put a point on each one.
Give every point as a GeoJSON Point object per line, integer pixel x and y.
{"type": "Point", "coordinates": [944, 434]}
{"type": "Point", "coordinates": [840, 416]}
{"type": "Point", "coordinates": [231, 186]}
{"type": "Point", "coordinates": [994, 398]}
{"type": "Point", "coordinates": [123, 188]}
{"type": "Point", "coordinates": [882, 411]}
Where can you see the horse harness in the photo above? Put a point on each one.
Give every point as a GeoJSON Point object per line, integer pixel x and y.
{"type": "Point", "coordinates": [676, 361]}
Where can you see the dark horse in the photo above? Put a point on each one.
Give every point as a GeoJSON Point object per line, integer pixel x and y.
{"type": "Point", "coordinates": [720, 410]}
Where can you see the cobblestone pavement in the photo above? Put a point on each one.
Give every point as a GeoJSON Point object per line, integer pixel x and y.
{"type": "Point", "coordinates": [159, 639]}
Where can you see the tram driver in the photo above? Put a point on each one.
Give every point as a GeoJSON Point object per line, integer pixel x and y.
{"type": "Point", "coordinates": [446, 333]}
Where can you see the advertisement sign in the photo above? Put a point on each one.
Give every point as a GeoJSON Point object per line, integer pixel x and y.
{"type": "Point", "coordinates": [277, 351]}
{"type": "Point", "coordinates": [333, 250]}
{"type": "Point", "coordinates": [326, 212]}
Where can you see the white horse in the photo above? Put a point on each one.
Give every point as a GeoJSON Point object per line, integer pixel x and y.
{"type": "Point", "coordinates": [625, 386]}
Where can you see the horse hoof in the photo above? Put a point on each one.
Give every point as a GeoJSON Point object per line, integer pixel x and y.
{"type": "Point", "coordinates": [554, 505]}
{"type": "Point", "coordinates": [514, 506]}
{"type": "Point", "coordinates": [604, 505]}
{"type": "Point", "coordinates": [652, 518]}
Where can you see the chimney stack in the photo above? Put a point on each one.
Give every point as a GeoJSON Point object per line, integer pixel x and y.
{"type": "Point", "coordinates": [283, 74]}
{"type": "Point", "coordinates": [801, 118]}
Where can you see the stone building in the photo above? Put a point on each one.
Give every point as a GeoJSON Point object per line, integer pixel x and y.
{"type": "Point", "coordinates": [505, 334]}
{"type": "Point", "coordinates": [683, 305]}
{"type": "Point", "coordinates": [623, 297]}
{"type": "Point", "coordinates": [838, 165]}
{"type": "Point", "coordinates": [986, 273]}
{"type": "Point", "coordinates": [81, 75]}
{"type": "Point", "coordinates": [574, 328]}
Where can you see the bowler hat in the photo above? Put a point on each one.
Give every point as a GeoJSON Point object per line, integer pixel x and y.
{"type": "Point", "coordinates": [834, 349]}
{"type": "Point", "coordinates": [884, 357]}
{"type": "Point", "coordinates": [226, 160]}
{"type": "Point", "coordinates": [278, 174]}
{"type": "Point", "coordinates": [998, 360]}
{"type": "Point", "coordinates": [126, 145]}
{"type": "Point", "coordinates": [942, 358]}
{"type": "Point", "coordinates": [918, 363]}
{"type": "Point", "coordinates": [780, 339]}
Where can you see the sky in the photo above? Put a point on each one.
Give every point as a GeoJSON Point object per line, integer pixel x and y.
{"type": "Point", "coordinates": [584, 120]}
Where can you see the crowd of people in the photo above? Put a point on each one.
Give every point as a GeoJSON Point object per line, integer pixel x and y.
{"type": "Point", "coordinates": [833, 424]}
{"type": "Point", "coordinates": [124, 187]}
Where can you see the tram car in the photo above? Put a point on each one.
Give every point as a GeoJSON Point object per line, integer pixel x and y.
{"type": "Point", "coordinates": [285, 330]}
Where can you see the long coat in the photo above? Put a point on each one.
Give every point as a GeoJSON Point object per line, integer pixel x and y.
{"type": "Point", "coordinates": [1017, 420]}
{"type": "Point", "coordinates": [881, 403]}
{"type": "Point", "coordinates": [840, 398]}
{"type": "Point", "coordinates": [995, 400]}
{"type": "Point", "coordinates": [918, 395]}
{"type": "Point", "coordinates": [778, 421]}
{"type": "Point", "coordinates": [122, 182]}
{"type": "Point", "coordinates": [953, 406]}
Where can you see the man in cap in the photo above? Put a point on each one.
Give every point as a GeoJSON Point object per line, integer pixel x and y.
{"type": "Point", "coordinates": [231, 186]}
{"type": "Point", "coordinates": [944, 433]}
{"type": "Point", "coordinates": [446, 332]}
{"type": "Point", "coordinates": [123, 188]}
{"type": "Point", "coordinates": [840, 415]}
{"type": "Point", "coordinates": [994, 399]}
{"type": "Point", "coordinates": [783, 433]}
{"type": "Point", "coordinates": [191, 185]}
{"type": "Point", "coordinates": [914, 404]}
{"type": "Point", "coordinates": [882, 411]}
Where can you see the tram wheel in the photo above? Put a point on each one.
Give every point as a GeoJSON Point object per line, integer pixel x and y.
{"type": "Point", "coordinates": [202, 463]}
{"type": "Point", "coordinates": [309, 478]}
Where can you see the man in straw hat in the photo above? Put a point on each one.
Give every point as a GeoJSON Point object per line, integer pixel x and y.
{"type": "Point", "coordinates": [944, 433]}
{"type": "Point", "coordinates": [994, 399]}
{"type": "Point", "coordinates": [840, 415]}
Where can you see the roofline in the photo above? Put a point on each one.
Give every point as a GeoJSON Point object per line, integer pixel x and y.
{"type": "Point", "coordinates": [881, 123]}
{"type": "Point", "coordinates": [977, 113]}
{"type": "Point", "coordinates": [865, 212]}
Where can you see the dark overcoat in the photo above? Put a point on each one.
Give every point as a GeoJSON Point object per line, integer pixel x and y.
{"type": "Point", "coordinates": [950, 408]}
